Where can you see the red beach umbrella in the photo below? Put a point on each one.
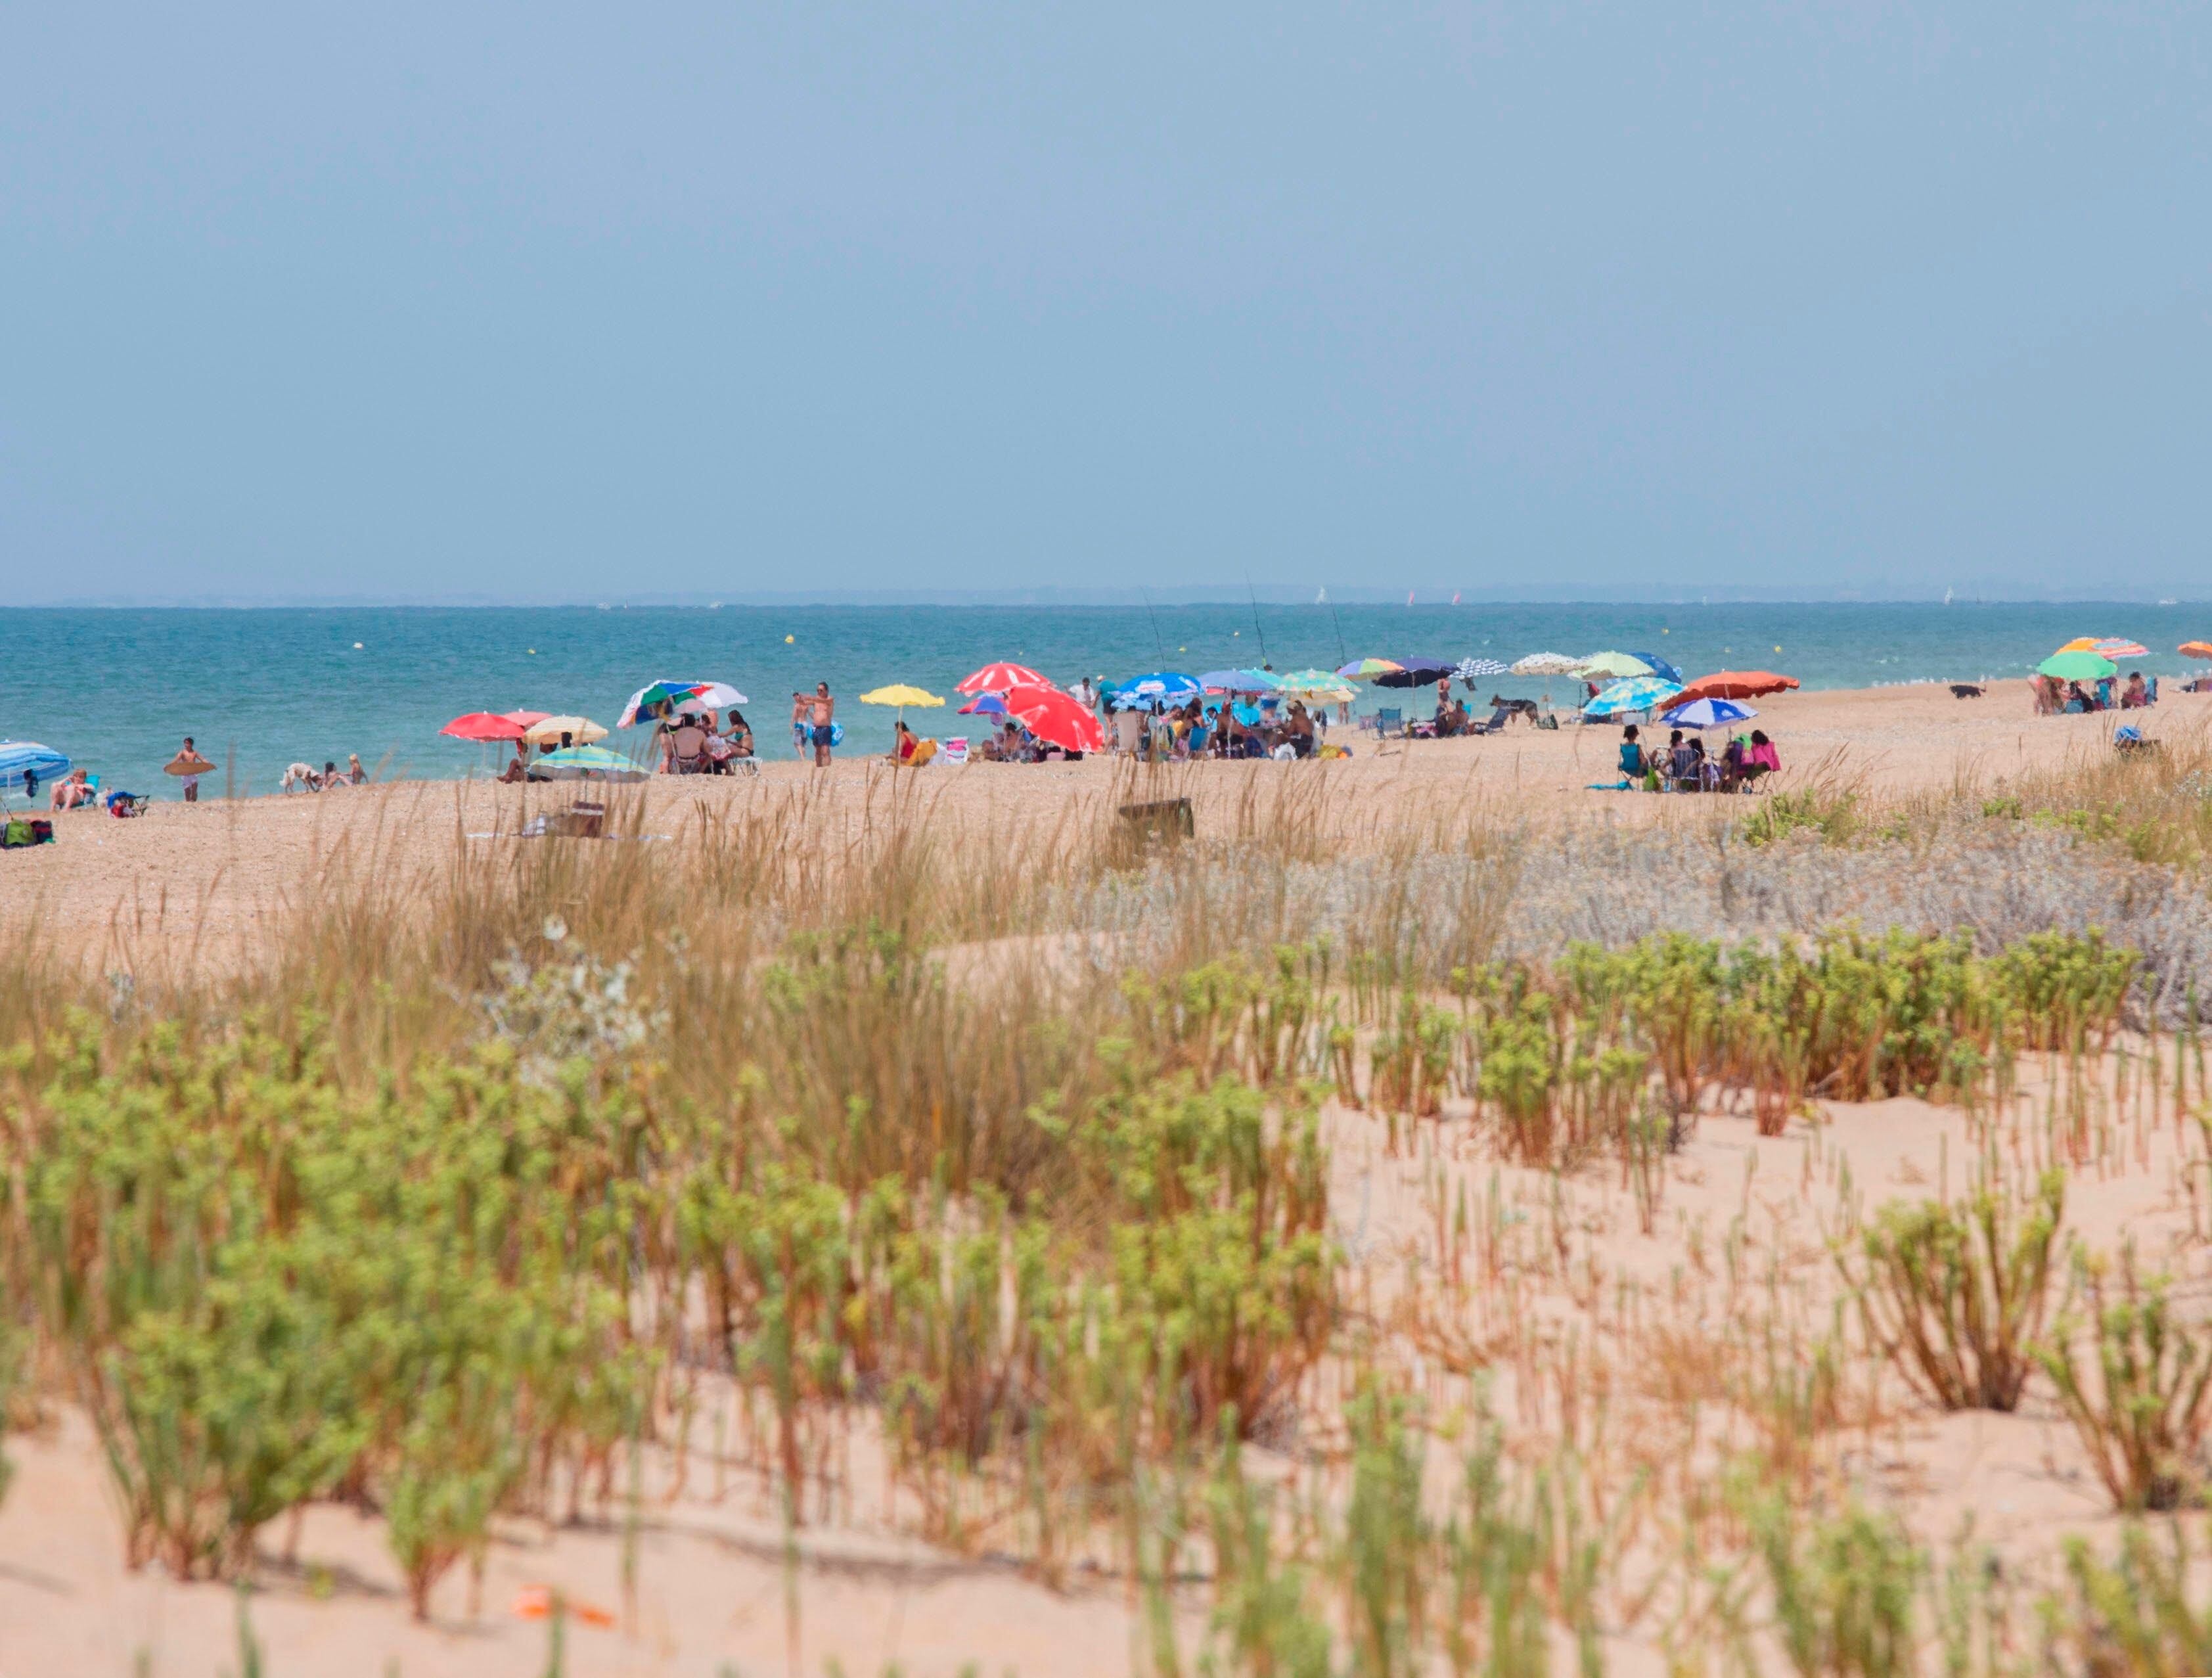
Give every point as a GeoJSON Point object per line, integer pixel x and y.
{"type": "Point", "coordinates": [997, 677]}
{"type": "Point", "coordinates": [1733, 684]}
{"type": "Point", "coordinates": [483, 726]}
{"type": "Point", "coordinates": [1056, 718]}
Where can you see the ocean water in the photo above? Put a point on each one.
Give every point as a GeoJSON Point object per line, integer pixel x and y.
{"type": "Point", "coordinates": [117, 689]}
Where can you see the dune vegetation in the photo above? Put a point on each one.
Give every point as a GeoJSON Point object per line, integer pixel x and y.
{"type": "Point", "coordinates": [1313, 1233]}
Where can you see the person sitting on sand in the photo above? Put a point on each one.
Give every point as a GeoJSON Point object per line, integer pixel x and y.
{"type": "Point", "coordinates": [2135, 695]}
{"type": "Point", "coordinates": [1300, 728]}
{"type": "Point", "coordinates": [739, 736]}
{"type": "Point", "coordinates": [903, 743]}
{"type": "Point", "coordinates": [2077, 701]}
{"type": "Point", "coordinates": [517, 767]}
{"type": "Point", "coordinates": [332, 780]}
{"type": "Point", "coordinates": [70, 792]}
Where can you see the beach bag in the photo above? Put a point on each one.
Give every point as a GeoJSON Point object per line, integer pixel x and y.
{"type": "Point", "coordinates": [15, 835]}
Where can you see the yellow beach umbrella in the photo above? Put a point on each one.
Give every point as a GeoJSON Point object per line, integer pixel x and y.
{"type": "Point", "coordinates": [900, 694]}
{"type": "Point", "coordinates": [580, 731]}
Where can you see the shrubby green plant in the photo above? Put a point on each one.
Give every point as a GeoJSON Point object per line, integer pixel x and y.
{"type": "Point", "coordinates": [2145, 1614]}
{"type": "Point", "coordinates": [1954, 1295]}
{"type": "Point", "coordinates": [2140, 1398]}
{"type": "Point", "coordinates": [1846, 1588]}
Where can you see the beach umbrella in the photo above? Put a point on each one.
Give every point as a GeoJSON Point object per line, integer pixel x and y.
{"type": "Point", "coordinates": [1240, 681]}
{"type": "Point", "coordinates": [1547, 664]}
{"type": "Point", "coordinates": [1366, 670]}
{"type": "Point", "coordinates": [997, 677]}
{"type": "Point", "coordinates": [1737, 684]}
{"type": "Point", "coordinates": [1614, 668]}
{"type": "Point", "coordinates": [902, 695]}
{"type": "Point", "coordinates": [1471, 670]}
{"type": "Point", "coordinates": [646, 701]}
{"type": "Point", "coordinates": [2078, 666]}
{"type": "Point", "coordinates": [19, 757]}
{"type": "Point", "coordinates": [483, 726]}
{"type": "Point", "coordinates": [582, 731]}
{"type": "Point", "coordinates": [984, 705]}
{"type": "Point", "coordinates": [1324, 685]}
{"type": "Point", "coordinates": [1659, 665]}
{"type": "Point", "coordinates": [523, 719]}
{"type": "Point", "coordinates": [1161, 687]}
{"type": "Point", "coordinates": [1636, 693]}
{"type": "Point", "coordinates": [1416, 673]}
{"type": "Point", "coordinates": [718, 696]}
{"type": "Point", "coordinates": [1055, 718]}
{"type": "Point", "coordinates": [588, 762]}
{"type": "Point", "coordinates": [2110, 647]}
{"type": "Point", "coordinates": [1708, 713]}
{"type": "Point", "coordinates": [2195, 649]}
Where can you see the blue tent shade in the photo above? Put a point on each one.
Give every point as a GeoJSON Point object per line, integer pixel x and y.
{"type": "Point", "coordinates": [1708, 713]}
{"type": "Point", "coordinates": [17, 756]}
{"type": "Point", "coordinates": [1659, 665]}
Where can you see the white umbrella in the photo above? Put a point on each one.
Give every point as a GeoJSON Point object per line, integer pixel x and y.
{"type": "Point", "coordinates": [1547, 664]}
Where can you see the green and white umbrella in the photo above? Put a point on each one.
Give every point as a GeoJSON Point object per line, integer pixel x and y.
{"type": "Point", "coordinates": [588, 762]}
{"type": "Point", "coordinates": [1612, 667]}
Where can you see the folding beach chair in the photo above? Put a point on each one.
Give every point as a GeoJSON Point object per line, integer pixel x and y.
{"type": "Point", "coordinates": [1388, 721]}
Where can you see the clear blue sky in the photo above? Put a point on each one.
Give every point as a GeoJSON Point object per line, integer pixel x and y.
{"type": "Point", "coordinates": [556, 302]}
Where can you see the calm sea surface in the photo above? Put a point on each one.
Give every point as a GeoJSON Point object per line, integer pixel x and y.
{"type": "Point", "coordinates": [117, 689]}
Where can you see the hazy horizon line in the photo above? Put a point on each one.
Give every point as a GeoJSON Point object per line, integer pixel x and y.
{"type": "Point", "coordinates": [1049, 598]}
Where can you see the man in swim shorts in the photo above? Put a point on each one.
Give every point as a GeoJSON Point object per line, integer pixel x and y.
{"type": "Point", "coordinates": [822, 713]}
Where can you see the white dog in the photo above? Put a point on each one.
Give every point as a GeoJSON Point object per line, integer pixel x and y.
{"type": "Point", "coordinates": [301, 778]}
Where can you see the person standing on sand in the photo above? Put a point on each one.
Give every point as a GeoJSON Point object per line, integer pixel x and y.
{"type": "Point", "coordinates": [798, 730]}
{"type": "Point", "coordinates": [822, 713]}
{"type": "Point", "coordinates": [192, 781]}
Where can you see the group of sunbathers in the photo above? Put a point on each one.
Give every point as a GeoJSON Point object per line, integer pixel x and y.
{"type": "Point", "coordinates": [1193, 729]}
{"type": "Point", "coordinates": [1684, 766]}
{"type": "Point", "coordinates": [692, 743]}
{"type": "Point", "coordinates": [2054, 697]}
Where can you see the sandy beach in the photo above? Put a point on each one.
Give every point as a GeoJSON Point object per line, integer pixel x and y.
{"type": "Point", "coordinates": [207, 876]}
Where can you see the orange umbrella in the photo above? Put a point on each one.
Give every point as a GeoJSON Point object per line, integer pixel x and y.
{"type": "Point", "coordinates": [2196, 649]}
{"type": "Point", "coordinates": [1733, 684]}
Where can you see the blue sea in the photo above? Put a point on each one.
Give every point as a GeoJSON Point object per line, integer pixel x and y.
{"type": "Point", "coordinates": [117, 689]}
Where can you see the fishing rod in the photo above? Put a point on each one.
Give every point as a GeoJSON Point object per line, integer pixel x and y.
{"type": "Point", "coordinates": [1339, 622]}
{"type": "Point", "coordinates": [1159, 645]}
{"type": "Point", "coordinates": [1256, 630]}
